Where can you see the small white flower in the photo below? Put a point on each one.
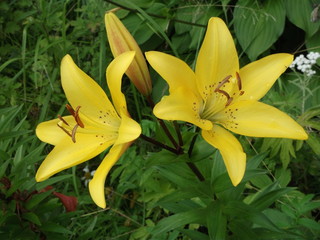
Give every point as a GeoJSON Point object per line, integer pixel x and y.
{"type": "Point", "coordinates": [304, 64]}
{"type": "Point", "coordinates": [87, 175]}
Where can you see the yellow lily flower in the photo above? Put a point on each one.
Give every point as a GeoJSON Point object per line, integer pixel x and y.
{"type": "Point", "coordinates": [93, 126]}
{"type": "Point", "coordinates": [219, 96]}
{"type": "Point", "coordinates": [120, 41]}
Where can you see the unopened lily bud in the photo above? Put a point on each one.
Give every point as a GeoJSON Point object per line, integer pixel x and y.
{"type": "Point", "coordinates": [121, 41]}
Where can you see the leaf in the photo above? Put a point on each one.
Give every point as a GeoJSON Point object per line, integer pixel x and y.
{"type": "Point", "coordinates": [216, 221]}
{"type": "Point", "coordinates": [30, 216]}
{"type": "Point", "coordinates": [37, 198]}
{"type": "Point", "coordinates": [256, 26]}
{"type": "Point", "coordinates": [299, 13]}
{"type": "Point", "coordinates": [51, 181]}
{"type": "Point", "coordinates": [69, 202]}
{"type": "Point", "coordinates": [268, 196]}
{"type": "Point", "coordinates": [53, 227]}
{"type": "Point", "coordinates": [179, 220]}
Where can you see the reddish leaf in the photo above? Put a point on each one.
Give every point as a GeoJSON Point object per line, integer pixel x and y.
{"type": "Point", "coordinates": [69, 202]}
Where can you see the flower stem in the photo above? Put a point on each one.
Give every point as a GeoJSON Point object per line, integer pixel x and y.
{"type": "Point", "coordinates": [155, 142]}
{"type": "Point", "coordinates": [193, 141]}
{"type": "Point", "coordinates": [177, 128]}
{"type": "Point", "coordinates": [164, 127]}
{"type": "Point", "coordinates": [196, 171]}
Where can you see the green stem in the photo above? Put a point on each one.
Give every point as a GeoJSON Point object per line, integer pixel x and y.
{"type": "Point", "coordinates": [193, 141]}
{"type": "Point", "coordinates": [196, 171]}
{"type": "Point", "coordinates": [155, 142]}
{"type": "Point", "coordinates": [177, 128]}
{"type": "Point", "coordinates": [164, 126]}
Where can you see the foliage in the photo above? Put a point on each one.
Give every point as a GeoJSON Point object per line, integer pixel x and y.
{"type": "Point", "coordinates": [151, 193]}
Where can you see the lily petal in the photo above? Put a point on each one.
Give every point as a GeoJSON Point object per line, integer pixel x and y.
{"type": "Point", "coordinates": [176, 72]}
{"type": "Point", "coordinates": [259, 76]}
{"type": "Point", "coordinates": [114, 73]}
{"type": "Point", "coordinates": [218, 56]}
{"type": "Point", "coordinates": [256, 119]}
{"type": "Point", "coordinates": [96, 185]}
{"type": "Point", "coordinates": [50, 133]}
{"type": "Point", "coordinates": [129, 130]}
{"type": "Point", "coordinates": [68, 154]}
{"type": "Point", "coordinates": [181, 105]}
{"type": "Point", "coordinates": [231, 150]}
{"type": "Point", "coordinates": [82, 90]}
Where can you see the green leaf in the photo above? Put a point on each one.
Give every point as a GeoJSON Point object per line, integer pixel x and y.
{"type": "Point", "coordinates": [309, 223]}
{"type": "Point", "coordinates": [216, 221]}
{"type": "Point", "coordinates": [258, 26]}
{"type": "Point", "coordinates": [53, 227]}
{"type": "Point", "coordinates": [37, 198]}
{"type": "Point", "coordinates": [179, 220]}
{"type": "Point", "coordinates": [51, 181]}
{"type": "Point", "coordinates": [299, 13]}
{"type": "Point", "coordinates": [30, 216]}
{"type": "Point", "coordinates": [314, 142]}
{"type": "Point", "coordinates": [267, 196]}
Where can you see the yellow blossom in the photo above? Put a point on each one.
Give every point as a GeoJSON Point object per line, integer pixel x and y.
{"type": "Point", "coordinates": [219, 96]}
{"type": "Point", "coordinates": [94, 124]}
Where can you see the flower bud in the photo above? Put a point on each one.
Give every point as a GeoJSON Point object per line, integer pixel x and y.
{"type": "Point", "coordinates": [121, 41]}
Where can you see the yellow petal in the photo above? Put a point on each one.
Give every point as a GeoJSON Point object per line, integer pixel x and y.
{"type": "Point", "coordinates": [176, 72]}
{"type": "Point", "coordinates": [217, 57]}
{"type": "Point", "coordinates": [67, 154]}
{"type": "Point", "coordinates": [81, 90]}
{"type": "Point", "coordinates": [259, 76]}
{"type": "Point", "coordinates": [49, 132]}
{"type": "Point", "coordinates": [129, 130]}
{"type": "Point", "coordinates": [114, 73]}
{"type": "Point", "coordinates": [96, 185]}
{"type": "Point", "coordinates": [181, 105]}
{"type": "Point", "coordinates": [121, 41]}
{"type": "Point", "coordinates": [256, 119]}
{"type": "Point", "coordinates": [231, 150]}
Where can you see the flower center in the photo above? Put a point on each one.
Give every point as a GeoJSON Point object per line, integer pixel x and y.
{"type": "Point", "coordinates": [221, 95]}
{"type": "Point", "coordinates": [75, 114]}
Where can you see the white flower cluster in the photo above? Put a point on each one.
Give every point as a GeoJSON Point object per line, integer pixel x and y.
{"type": "Point", "coordinates": [304, 64]}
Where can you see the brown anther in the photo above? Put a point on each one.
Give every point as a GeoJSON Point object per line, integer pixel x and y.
{"type": "Point", "coordinates": [63, 129]}
{"type": "Point", "coordinates": [229, 101]}
{"type": "Point", "coordinates": [241, 93]}
{"type": "Point", "coordinates": [64, 121]}
{"type": "Point", "coordinates": [74, 130]}
{"type": "Point", "coordinates": [225, 80]}
{"type": "Point", "coordinates": [239, 81]}
{"type": "Point", "coordinates": [75, 114]}
{"type": "Point", "coordinates": [224, 93]}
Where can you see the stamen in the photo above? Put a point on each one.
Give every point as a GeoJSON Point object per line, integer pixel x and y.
{"type": "Point", "coordinates": [223, 92]}
{"type": "Point", "coordinates": [63, 129]}
{"type": "Point", "coordinates": [77, 118]}
{"type": "Point", "coordinates": [74, 130]}
{"type": "Point", "coordinates": [239, 81]}
{"type": "Point", "coordinates": [64, 121]}
{"type": "Point", "coordinates": [229, 101]}
{"type": "Point", "coordinates": [70, 109]}
{"type": "Point", "coordinates": [225, 80]}
{"type": "Point", "coordinates": [75, 114]}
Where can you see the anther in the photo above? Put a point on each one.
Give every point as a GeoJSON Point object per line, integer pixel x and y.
{"type": "Point", "coordinates": [223, 92]}
{"type": "Point", "coordinates": [75, 114]}
{"type": "Point", "coordinates": [225, 80]}
{"type": "Point", "coordinates": [239, 81]}
{"type": "Point", "coordinates": [229, 101]}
